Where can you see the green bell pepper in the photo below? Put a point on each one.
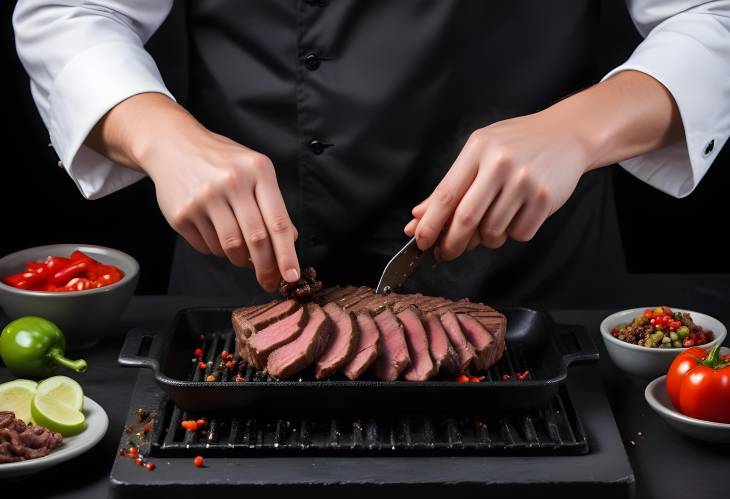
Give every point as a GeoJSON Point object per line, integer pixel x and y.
{"type": "Point", "coordinates": [33, 347]}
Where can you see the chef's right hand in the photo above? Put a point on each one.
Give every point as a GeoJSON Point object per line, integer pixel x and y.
{"type": "Point", "coordinates": [222, 197]}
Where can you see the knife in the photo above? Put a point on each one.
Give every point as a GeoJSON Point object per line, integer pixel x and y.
{"type": "Point", "coordinates": [402, 265]}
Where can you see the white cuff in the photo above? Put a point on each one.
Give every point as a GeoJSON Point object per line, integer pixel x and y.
{"type": "Point", "coordinates": [698, 82]}
{"type": "Point", "coordinates": [90, 85]}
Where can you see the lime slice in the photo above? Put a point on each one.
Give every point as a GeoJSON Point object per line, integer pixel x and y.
{"type": "Point", "coordinates": [16, 395]}
{"type": "Point", "coordinates": [64, 390]}
{"type": "Point", "coordinates": [57, 416]}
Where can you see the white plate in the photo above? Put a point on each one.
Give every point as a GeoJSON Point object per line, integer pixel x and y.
{"type": "Point", "coordinates": [97, 423]}
{"type": "Point", "coordinates": [708, 431]}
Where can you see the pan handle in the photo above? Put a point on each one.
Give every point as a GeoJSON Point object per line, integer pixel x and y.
{"type": "Point", "coordinates": [576, 344]}
{"type": "Point", "coordinates": [130, 356]}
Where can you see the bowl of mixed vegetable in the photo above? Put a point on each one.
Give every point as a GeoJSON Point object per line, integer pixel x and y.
{"type": "Point", "coordinates": [80, 287]}
{"type": "Point", "coordinates": [644, 341]}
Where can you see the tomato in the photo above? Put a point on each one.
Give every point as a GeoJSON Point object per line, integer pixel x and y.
{"type": "Point", "coordinates": [698, 384]}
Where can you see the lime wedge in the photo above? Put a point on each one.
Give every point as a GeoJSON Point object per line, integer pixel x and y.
{"type": "Point", "coordinates": [57, 416]}
{"type": "Point", "coordinates": [16, 395]}
{"type": "Point", "coordinates": [64, 390]}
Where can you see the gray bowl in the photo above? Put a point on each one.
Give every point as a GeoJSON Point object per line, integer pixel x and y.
{"type": "Point", "coordinates": [85, 317]}
{"type": "Point", "coordinates": [647, 362]}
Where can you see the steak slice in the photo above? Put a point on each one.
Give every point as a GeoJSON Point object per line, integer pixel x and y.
{"type": "Point", "coordinates": [247, 321]}
{"type": "Point", "coordinates": [464, 350]}
{"type": "Point", "coordinates": [342, 342]}
{"type": "Point", "coordinates": [367, 349]}
{"type": "Point", "coordinates": [480, 339]}
{"type": "Point", "coordinates": [422, 367]}
{"type": "Point", "coordinates": [273, 336]}
{"type": "Point", "coordinates": [394, 357]}
{"type": "Point", "coordinates": [300, 353]}
{"type": "Point", "coordinates": [443, 354]}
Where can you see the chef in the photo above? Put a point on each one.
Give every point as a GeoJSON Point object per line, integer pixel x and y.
{"type": "Point", "coordinates": [318, 131]}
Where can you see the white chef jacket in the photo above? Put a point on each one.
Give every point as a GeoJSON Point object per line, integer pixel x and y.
{"type": "Point", "coordinates": [84, 57]}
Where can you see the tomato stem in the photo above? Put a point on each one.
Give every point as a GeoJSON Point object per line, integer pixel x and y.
{"type": "Point", "coordinates": [714, 359]}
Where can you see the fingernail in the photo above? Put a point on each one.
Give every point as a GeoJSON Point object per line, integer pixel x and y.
{"type": "Point", "coordinates": [291, 275]}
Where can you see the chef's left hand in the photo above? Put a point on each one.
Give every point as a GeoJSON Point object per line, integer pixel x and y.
{"type": "Point", "coordinates": [509, 177]}
{"type": "Point", "coordinates": [512, 175]}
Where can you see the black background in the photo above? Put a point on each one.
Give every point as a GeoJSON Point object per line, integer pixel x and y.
{"type": "Point", "coordinates": [41, 205]}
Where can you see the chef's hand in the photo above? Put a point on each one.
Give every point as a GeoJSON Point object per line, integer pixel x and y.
{"type": "Point", "coordinates": [512, 175]}
{"type": "Point", "coordinates": [222, 197]}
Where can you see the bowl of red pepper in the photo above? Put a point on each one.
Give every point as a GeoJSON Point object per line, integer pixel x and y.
{"type": "Point", "coordinates": [644, 341]}
{"type": "Point", "coordinates": [82, 288]}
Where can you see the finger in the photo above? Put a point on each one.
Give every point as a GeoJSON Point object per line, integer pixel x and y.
{"type": "Point", "coordinates": [279, 226]}
{"type": "Point", "coordinates": [530, 218]}
{"type": "Point", "coordinates": [410, 227]}
{"type": "Point", "coordinates": [229, 233]}
{"type": "Point", "coordinates": [491, 240]}
{"type": "Point", "coordinates": [190, 233]}
{"type": "Point", "coordinates": [474, 241]}
{"type": "Point", "coordinates": [420, 208]}
{"type": "Point", "coordinates": [446, 197]}
{"type": "Point", "coordinates": [257, 240]}
{"type": "Point", "coordinates": [204, 226]}
{"type": "Point", "coordinates": [469, 213]}
{"type": "Point", "coordinates": [500, 214]}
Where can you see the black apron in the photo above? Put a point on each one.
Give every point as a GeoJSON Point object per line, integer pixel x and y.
{"type": "Point", "coordinates": [363, 106]}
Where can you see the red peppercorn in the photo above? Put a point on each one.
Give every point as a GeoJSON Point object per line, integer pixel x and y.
{"type": "Point", "coordinates": [462, 379]}
{"type": "Point", "coordinates": [229, 364]}
{"type": "Point", "coordinates": [202, 365]}
{"type": "Point", "coordinates": [239, 378]}
{"type": "Point", "coordinates": [147, 427]}
{"type": "Point", "coordinates": [198, 461]}
{"type": "Point", "coordinates": [150, 466]}
{"type": "Point", "coordinates": [133, 452]}
{"type": "Point", "coordinates": [506, 377]}
{"type": "Point", "coordinates": [139, 461]}
{"type": "Point", "coordinates": [200, 423]}
{"type": "Point", "coordinates": [224, 355]}
{"type": "Point", "coordinates": [198, 352]}
{"type": "Point", "coordinates": [122, 452]}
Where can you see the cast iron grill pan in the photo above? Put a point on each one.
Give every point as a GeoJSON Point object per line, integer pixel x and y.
{"type": "Point", "coordinates": [552, 430]}
{"type": "Point", "coordinates": [534, 343]}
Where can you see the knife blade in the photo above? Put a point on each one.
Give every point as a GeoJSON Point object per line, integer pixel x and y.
{"type": "Point", "coordinates": [402, 265]}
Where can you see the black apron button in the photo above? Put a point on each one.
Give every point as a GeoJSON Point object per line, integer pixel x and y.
{"type": "Point", "coordinates": [311, 61]}
{"type": "Point", "coordinates": [316, 147]}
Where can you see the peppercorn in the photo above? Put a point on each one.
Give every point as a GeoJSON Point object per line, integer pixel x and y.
{"type": "Point", "coordinates": [198, 461]}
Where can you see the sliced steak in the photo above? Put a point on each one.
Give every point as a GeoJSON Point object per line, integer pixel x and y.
{"type": "Point", "coordinates": [480, 339]}
{"type": "Point", "coordinates": [247, 322]}
{"type": "Point", "coordinates": [291, 358]}
{"type": "Point", "coordinates": [463, 348]}
{"type": "Point", "coordinates": [422, 366]}
{"type": "Point", "coordinates": [394, 357]}
{"type": "Point", "coordinates": [342, 342]}
{"type": "Point", "coordinates": [443, 354]}
{"type": "Point", "coordinates": [19, 442]}
{"type": "Point", "coordinates": [273, 336]}
{"type": "Point", "coordinates": [367, 349]}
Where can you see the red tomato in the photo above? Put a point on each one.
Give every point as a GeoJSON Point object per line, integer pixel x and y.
{"type": "Point", "coordinates": [698, 384]}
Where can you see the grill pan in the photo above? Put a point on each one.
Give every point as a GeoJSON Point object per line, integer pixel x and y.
{"type": "Point", "coordinates": [534, 343]}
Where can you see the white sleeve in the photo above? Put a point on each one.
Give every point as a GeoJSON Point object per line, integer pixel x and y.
{"type": "Point", "coordinates": [83, 58]}
{"type": "Point", "coordinates": [687, 49]}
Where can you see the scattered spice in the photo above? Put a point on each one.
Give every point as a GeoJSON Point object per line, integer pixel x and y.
{"type": "Point", "coordinates": [211, 377]}
{"type": "Point", "coordinates": [506, 377]}
{"type": "Point", "coordinates": [229, 364]}
{"type": "Point", "coordinates": [139, 461]}
{"type": "Point", "coordinates": [239, 378]}
{"type": "Point", "coordinates": [198, 461]}
{"type": "Point", "coordinates": [198, 353]}
{"type": "Point", "coordinates": [122, 452]}
{"type": "Point", "coordinates": [149, 466]}
{"type": "Point", "coordinates": [523, 375]}
{"type": "Point", "coordinates": [201, 423]}
{"type": "Point", "coordinates": [476, 379]}
{"type": "Point", "coordinates": [462, 379]}
{"type": "Point", "coordinates": [306, 287]}
{"type": "Point", "coordinates": [202, 365]}
{"type": "Point", "coordinates": [147, 427]}
{"type": "Point", "coordinates": [133, 452]}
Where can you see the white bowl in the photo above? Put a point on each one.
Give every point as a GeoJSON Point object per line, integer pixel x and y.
{"type": "Point", "coordinates": [658, 398]}
{"type": "Point", "coordinates": [651, 362]}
